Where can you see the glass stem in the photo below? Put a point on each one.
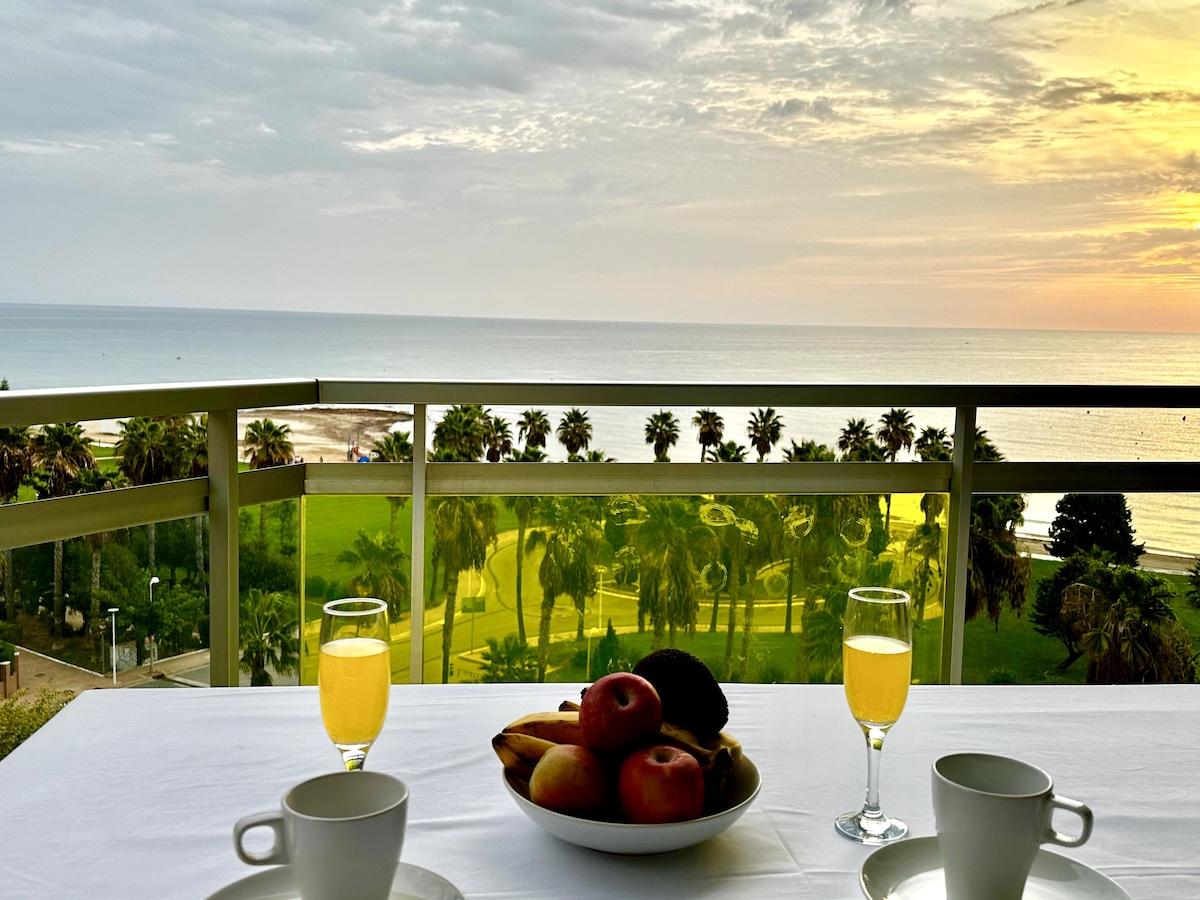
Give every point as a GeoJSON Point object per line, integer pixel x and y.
{"type": "Point", "coordinates": [354, 757]}
{"type": "Point", "coordinates": [871, 808]}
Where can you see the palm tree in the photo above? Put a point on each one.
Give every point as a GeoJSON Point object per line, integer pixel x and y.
{"type": "Point", "coordinates": [997, 572]}
{"type": "Point", "coordinates": [383, 570]}
{"type": "Point", "coordinates": [463, 527]}
{"type": "Point", "coordinates": [267, 444]}
{"type": "Point", "coordinates": [508, 660]}
{"type": "Point", "coordinates": [459, 435]}
{"type": "Point", "coordinates": [550, 575]}
{"type": "Point", "coordinates": [90, 481]}
{"type": "Point", "coordinates": [730, 451]}
{"type": "Point", "coordinates": [856, 443]}
{"type": "Point", "coordinates": [525, 508]}
{"type": "Point", "coordinates": [193, 462]}
{"type": "Point", "coordinates": [933, 444]}
{"type": "Point", "coordinates": [765, 430]}
{"type": "Point", "coordinates": [809, 451]}
{"type": "Point", "coordinates": [896, 433]}
{"type": "Point", "coordinates": [598, 456]}
{"type": "Point", "coordinates": [397, 448]}
{"type": "Point", "coordinates": [145, 450]}
{"type": "Point", "coordinates": [667, 583]}
{"type": "Point", "coordinates": [498, 438]}
{"type": "Point", "coordinates": [268, 626]}
{"type": "Point", "coordinates": [711, 429]}
{"type": "Point", "coordinates": [662, 430]}
{"type": "Point", "coordinates": [529, 454]}
{"type": "Point", "coordinates": [533, 428]}
{"type": "Point", "coordinates": [16, 464]}
{"type": "Point", "coordinates": [60, 452]}
{"type": "Point", "coordinates": [574, 432]}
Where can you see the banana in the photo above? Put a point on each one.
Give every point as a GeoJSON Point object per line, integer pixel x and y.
{"type": "Point", "coordinates": [730, 743]}
{"type": "Point", "coordinates": [685, 740]}
{"type": "Point", "coordinates": [560, 727]}
{"type": "Point", "coordinates": [520, 752]}
{"type": "Point", "coordinates": [568, 706]}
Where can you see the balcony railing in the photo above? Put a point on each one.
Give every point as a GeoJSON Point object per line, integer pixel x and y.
{"type": "Point", "coordinates": [225, 490]}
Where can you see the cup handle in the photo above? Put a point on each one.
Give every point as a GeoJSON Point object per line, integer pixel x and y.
{"type": "Point", "coordinates": [1085, 815]}
{"type": "Point", "coordinates": [277, 853]}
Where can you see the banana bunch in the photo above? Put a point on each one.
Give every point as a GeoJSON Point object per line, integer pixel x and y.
{"type": "Point", "coordinates": [524, 742]}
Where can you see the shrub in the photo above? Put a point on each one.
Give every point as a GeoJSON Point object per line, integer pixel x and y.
{"type": "Point", "coordinates": [22, 715]}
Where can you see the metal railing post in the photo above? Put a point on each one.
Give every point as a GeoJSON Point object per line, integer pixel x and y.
{"type": "Point", "coordinates": [223, 543]}
{"type": "Point", "coordinates": [958, 533]}
{"type": "Point", "coordinates": [416, 665]}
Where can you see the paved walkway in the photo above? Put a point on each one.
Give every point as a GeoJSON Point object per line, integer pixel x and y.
{"type": "Point", "coordinates": [37, 670]}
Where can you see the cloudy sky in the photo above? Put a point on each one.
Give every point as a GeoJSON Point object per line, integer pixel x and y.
{"type": "Point", "coordinates": [963, 162]}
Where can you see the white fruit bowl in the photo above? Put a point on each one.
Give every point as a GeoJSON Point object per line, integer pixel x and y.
{"type": "Point", "coordinates": [741, 788]}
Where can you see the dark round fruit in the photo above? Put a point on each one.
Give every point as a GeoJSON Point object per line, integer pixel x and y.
{"type": "Point", "coordinates": [691, 697]}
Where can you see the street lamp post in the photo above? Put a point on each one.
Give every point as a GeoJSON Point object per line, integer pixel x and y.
{"type": "Point", "coordinates": [112, 611]}
{"type": "Point", "coordinates": [153, 582]}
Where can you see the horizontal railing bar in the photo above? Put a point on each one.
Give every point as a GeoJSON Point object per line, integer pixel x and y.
{"type": "Point", "coordinates": [337, 390]}
{"type": "Point", "coordinates": [34, 407]}
{"type": "Point", "coordinates": [687, 478]}
{"type": "Point", "coordinates": [1087, 477]}
{"type": "Point", "coordinates": [270, 485]}
{"type": "Point", "coordinates": [346, 478]}
{"type": "Point", "coordinates": [37, 522]}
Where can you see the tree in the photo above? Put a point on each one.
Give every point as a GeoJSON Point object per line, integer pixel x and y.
{"type": "Point", "coordinates": [533, 428]}
{"type": "Point", "coordinates": [90, 481]}
{"type": "Point", "coordinates": [574, 432]}
{"type": "Point", "coordinates": [60, 452]}
{"type": "Point", "coordinates": [497, 438]}
{"type": "Point", "coordinates": [463, 527]}
{"type": "Point", "coordinates": [459, 435]}
{"type": "Point", "coordinates": [508, 660]}
{"type": "Point", "coordinates": [599, 456]}
{"type": "Point", "coordinates": [382, 570]}
{"type": "Point", "coordinates": [1122, 619]}
{"type": "Point", "coordinates": [16, 465]}
{"type": "Point", "coordinates": [269, 635]}
{"type": "Point", "coordinates": [896, 433]}
{"type": "Point", "coordinates": [765, 430]}
{"type": "Point", "coordinates": [1087, 521]}
{"type": "Point", "coordinates": [856, 442]}
{"type": "Point", "coordinates": [730, 451]}
{"type": "Point", "coordinates": [711, 429]}
{"type": "Point", "coordinates": [525, 508]}
{"type": "Point", "coordinates": [395, 447]}
{"type": "Point", "coordinates": [665, 543]}
{"type": "Point", "coordinates": [553, 544]}
{"type": "Point", "coordinates": [933, 445]}
{"type": "Point", "coordinates": [193, 462]}
{"type": "Point", "coordinates": [265, 445]}
{"type": "Point", "coordinates": [145, 450]}
{"type": "Point", "coordinates": [662, 430]}
{"type": "Point", "coordinates": [1193, 588]}
{"type": "Point", "coordinates": [809, 451]}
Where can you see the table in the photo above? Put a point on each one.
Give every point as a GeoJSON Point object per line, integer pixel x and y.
{"type": "Point", "coordinates": [132, 793]}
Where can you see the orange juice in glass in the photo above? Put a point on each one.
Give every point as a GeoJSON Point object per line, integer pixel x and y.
{"type": "Point", "coordinates": [354, 675]}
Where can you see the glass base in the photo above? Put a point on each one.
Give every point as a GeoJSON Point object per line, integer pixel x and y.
{"type": "Point", "coordinates": [870, 830]}
{"type": "Point", "coordinates": [354, 756]}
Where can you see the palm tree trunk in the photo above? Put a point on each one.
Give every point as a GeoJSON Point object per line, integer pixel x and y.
{"type": "Point", "coordinates": [802, 674]}
{"type": "Point", "coordinates": [200, 573]}
{"type": "Point", "coordinates": [579, 606]}
{"type": "Point", "coordinates": [59, 613]}
{"type": "Point", "coordinates": [712, 625]}
{"type": "Point", "coordinates": [262, 524]}
{"type": "Point", "coordinates": [432, 585]}
{"type": "Point", "coordinates": [887, 521]}
{"type": "Point", "coordinates": [151, 540]}
{"type": "Point", "coordinates": [731, 628]}
{"type": "Point", "coordinates": [10, 600]}
{"type": "Point", "coordinates": [544, 635]}
{"type": "Point", "coordinates": [747, 632]}
{"type": "Point", "coordinates": [393, 513]}
{"type": "Point", "coordinates": [448, 622]}
{"type": "Point", "coordinates": [787, 619]}
{"type": "Point", "coordinates": [95, 626]}
{"type": "Point", "coordinates": [520, 569]}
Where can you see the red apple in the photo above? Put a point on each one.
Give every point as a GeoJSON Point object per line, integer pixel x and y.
{"type": "Point", "coordinates": [570, 779]}
{"type": "Point", "coordinates": [619, 710]}
{"type": "Point", "coordinates": [661, 784]}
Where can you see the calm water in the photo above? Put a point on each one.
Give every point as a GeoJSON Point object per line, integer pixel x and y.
{"type": "Point", "coordinates": [61, 346]}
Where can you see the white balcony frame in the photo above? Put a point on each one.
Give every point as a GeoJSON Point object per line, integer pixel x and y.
{"type": "Point", "coordinates": [224, 491]}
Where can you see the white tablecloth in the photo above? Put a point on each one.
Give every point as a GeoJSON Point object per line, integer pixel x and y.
{"type": "Point", "coordinates": [133, 794]}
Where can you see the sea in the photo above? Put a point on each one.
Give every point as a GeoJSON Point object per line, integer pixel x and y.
{"type": "Point", "coordinates": [54, 346]}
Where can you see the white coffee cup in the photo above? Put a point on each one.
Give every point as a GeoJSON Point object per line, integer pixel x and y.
{"type": "Point", "coordinates": [992, 814]}
{"type": "Point", "coordinates": [341, 834]}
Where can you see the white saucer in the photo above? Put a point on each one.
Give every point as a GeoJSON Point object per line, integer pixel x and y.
{"type": "Point", "coordinates": [411, 883]}
{"type": "Point", "coordinates": [912, 870]}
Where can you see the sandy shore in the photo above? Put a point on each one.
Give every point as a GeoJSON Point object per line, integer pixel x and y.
{"type": "Point", "coordinates": [318, 434]}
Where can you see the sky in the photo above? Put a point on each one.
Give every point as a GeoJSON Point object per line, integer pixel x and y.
{"type": "Point", "coordinates": [971, 163]}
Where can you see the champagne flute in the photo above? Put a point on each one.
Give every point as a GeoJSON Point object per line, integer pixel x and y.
{"type": "Point", "coordinates": [877, 669]}
{"type": "Point", "coordinates": [354, 675]}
